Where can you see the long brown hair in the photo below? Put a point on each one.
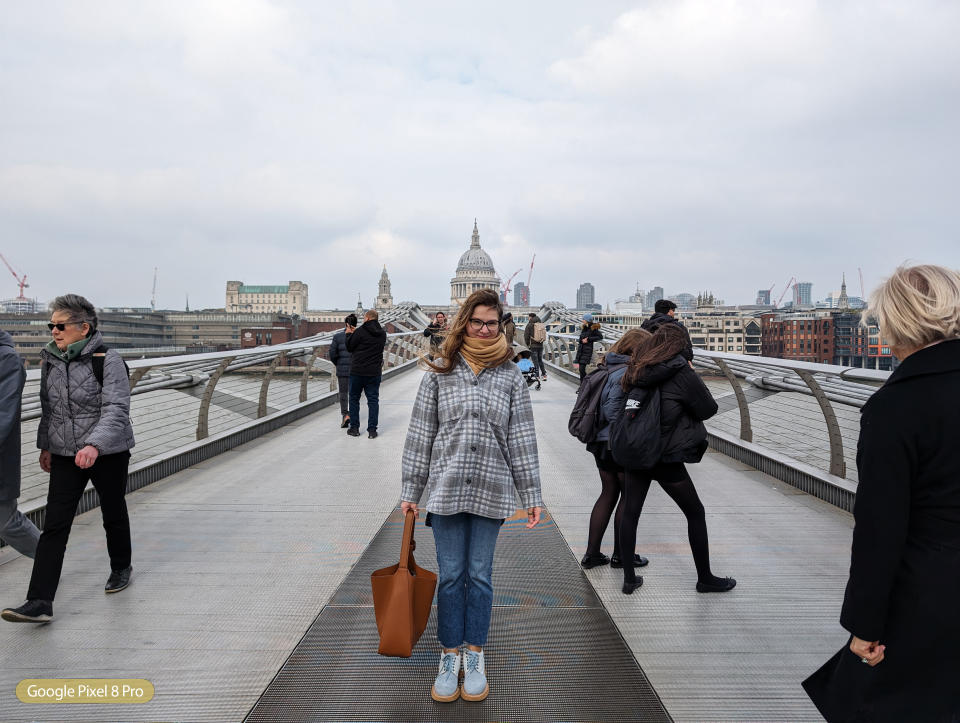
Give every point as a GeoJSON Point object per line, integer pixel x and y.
{"type": "Point", "coordinates": [667, 341]}
{"type": "Point", "coordinates": [628, 344]}
{"type": "Point", "coordinates": [458, 332]}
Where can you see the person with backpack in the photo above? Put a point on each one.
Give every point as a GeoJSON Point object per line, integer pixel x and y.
{"type": "Point", "coordinates": [589, 334]}
{"type": "Point", "coordinates": [608, 403]}
{"type": "Point", "coordinates": [660, 377]}
{"type": "Point", "coordinates": [84, 435]}
{"type": "Point", "coordinates": [534, 334]}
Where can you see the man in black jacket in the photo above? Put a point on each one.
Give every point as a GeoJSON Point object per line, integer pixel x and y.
{"type": "Point", "coordinates": [365, 345]}
{"type": "Point", "coordinates": [15, 529]}
{"type": "Point", "coordinates": [664, 313]}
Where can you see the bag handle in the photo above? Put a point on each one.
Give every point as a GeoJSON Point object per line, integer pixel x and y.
{"type": "Point", "coordinates": [407, 544]}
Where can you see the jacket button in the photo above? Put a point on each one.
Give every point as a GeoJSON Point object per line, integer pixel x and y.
{"type": "Point", "coordinates": [473, 448]}
{"type": "Point", "coordinates": [469, 481]}
{"type": "Point", "coordinates": [475, 414]}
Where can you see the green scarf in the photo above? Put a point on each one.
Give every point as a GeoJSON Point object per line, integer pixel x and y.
{"type": "Point", "coordinates": [72, 351]}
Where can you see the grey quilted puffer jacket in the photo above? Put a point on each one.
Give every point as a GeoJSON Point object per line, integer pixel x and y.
{"type": "Point", "coordinates": [76, 411]}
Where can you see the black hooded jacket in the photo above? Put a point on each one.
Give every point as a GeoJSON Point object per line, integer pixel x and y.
{"type": "Point", "coordinates": [685, 402]}
{"type": "Point", "coordinates": [591, 332]}
{"type": "Point", "coordinates": [658, 320]}
{"type": "Point", "coordinates": [366, 345]}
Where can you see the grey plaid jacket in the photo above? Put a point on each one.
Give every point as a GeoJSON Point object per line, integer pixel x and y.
{"type": "Point", "coordinates": [472, 439]}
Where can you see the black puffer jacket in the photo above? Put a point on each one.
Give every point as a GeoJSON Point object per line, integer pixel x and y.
{"type": "Point", "coordinates": [592, 333]}
{"type": "Point", "coordinates": [658, 320]}
{"type": "Point", "coordinates": [685, 402]}
{"type": "Point", "coordinates": [366, 345]}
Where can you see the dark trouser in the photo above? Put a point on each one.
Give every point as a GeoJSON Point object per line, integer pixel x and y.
{"type": "Point", "coordinates": [370, 386]}
{"type": "Point", "coordinates": [583, 370]}
{"type": "Point", "coordinates": [537, 353]}
{"type": "Point", "coordinates": [67, 482]}
{"type": "Point", "coordinates": [676, 482]}
{"type": "Point", "coordinates": [343, 390]}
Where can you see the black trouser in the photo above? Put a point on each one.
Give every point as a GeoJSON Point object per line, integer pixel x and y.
{"type": "Point", "coordinates": [583, 371]}
{"type": "Point", "coordinates": [343, 390]}
{"type": "Point", "coordinates": [67, 482]}
{"type": "Point", "coordinates": [537, 353]}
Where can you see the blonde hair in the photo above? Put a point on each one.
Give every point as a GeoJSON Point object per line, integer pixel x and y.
{"type": "Point", "coordinates": [917, 306]}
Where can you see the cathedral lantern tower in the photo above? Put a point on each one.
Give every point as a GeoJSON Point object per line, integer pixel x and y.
{"type": "Point", "coordinates": [384, 298]}
{"type": "Point", "coordinates": [474, 271]}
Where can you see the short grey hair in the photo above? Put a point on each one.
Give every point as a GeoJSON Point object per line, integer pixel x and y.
{"type": "Point", "coordinates": [917, 306]}
{"type": "Point", "coordinates": [80, 310]}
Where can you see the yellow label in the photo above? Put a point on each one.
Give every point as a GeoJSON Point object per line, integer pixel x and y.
{"type": "Point", "coordinates": [86, 690]}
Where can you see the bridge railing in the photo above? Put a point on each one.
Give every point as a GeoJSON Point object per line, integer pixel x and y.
{"type": "Point", "coordinates": [796, 415]}
{"type": "Point", "coordinates": [188, 405]}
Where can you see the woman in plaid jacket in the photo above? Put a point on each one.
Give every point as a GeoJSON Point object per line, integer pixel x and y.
{"type": "Point", "coordinates": [472, 441]}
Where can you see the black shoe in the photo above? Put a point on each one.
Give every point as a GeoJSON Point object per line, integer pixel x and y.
{"type": "Point", "coordinates": [346, 421]}
{"type": "Point", "coordinates": [721, 584]}
{"type": "Point", "coordinates": [371, 434]}
{"type": "Point", "coordinates": [629, 587]}
{"type": "Point", "coordinates": [638, 561]}
{"type": "Point", "coordinates": [32, 611]}
{"type": "Point", "coordinates": [354, 431]}
{"type": "Point", "coordinates": [118, 580]}
{"type": "Point", "coordinates": [589, 561]}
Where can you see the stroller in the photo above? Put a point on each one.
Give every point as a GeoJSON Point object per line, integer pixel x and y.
{"type": "Point", "coordinates": [532, 378]}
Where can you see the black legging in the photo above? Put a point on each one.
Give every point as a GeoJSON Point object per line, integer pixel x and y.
{"type": "Point", "coordinates": [676, 482]}
{"type": "Point", "coordinates": [612, 490]}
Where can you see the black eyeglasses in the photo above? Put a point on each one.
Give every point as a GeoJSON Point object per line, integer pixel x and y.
{"type": "Point", "coordinates": [62, 327]}
{"type": "Point", "coordinates": [478, 324]}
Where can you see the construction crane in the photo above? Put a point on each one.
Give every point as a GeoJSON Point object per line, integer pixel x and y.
{"type": "Point", "coordinates": [789, 286]}
{"type": "Point", "coordinates": [153, 295]}
{"type": "Point", "coordinates": [22, 281]}
{"type": "Point", "coordinates": [530, 276]}
{"type": "Point", "coordinates": [505, 287]}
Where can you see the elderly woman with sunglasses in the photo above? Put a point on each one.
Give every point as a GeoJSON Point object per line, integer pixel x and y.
{"type": "Point", "coordinates": [472, 445]}
{"type": "Point", "coordinates": [84, 435]}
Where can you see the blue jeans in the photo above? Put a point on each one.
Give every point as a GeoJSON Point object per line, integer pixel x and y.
{"type": "Point", "coordinates": [370, 386]}
{"type": "Point", "coordinates": [465, 545]}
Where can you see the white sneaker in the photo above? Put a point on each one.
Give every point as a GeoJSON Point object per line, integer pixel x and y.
{"type": "Point", "coordinates": [446, 687]}
{"type": "Point", "coordinates": [475, 686]}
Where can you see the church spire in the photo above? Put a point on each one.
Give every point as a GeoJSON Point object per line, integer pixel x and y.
{"type": "Point", "coordinates": [475, 239]}
{"type": "Point", "coordinates": [843, 302]}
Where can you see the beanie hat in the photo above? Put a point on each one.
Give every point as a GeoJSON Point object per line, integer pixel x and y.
{"type": "Point", "coordinates": [588, 318]}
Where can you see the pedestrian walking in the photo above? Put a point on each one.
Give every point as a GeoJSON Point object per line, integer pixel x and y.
{"type": "Point", "coordinates": [15, 528]}
{"type": "Point", "coordinates": [589, 335]}
{"type": "Point", "coordinates": [340, 358]}
{"type": "Point", "coordinates": [509, 328]}
{"type": "Point", "coordinates": [436, 332]}
{"type": "Point", "coordinates": [534, 334]}
{"type": "Point", "coordinates": [665, 312]}
{"type": "Point", "coordinates": [472, 441]}
{"type": "Point", "coordinates": [685, 402]}
{"type": "Point", "coordinates": [903, 592]}
{"type": "Point", "coordinates": [84, 435]}
{"type": "Point", "coordinates": [366, 345]}
{"type": "Point", "coordinates": [611, 473]}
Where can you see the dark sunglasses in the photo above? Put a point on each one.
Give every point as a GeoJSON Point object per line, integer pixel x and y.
{"type": "Point", "coordinates": [62, 327]}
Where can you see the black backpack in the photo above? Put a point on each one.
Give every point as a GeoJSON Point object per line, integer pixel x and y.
{"type": "Point", "coordinates": [584, 422]}
{"type": "Point", "coordinates": [635, 439]}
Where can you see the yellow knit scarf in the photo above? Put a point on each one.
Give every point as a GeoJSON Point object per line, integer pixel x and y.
{"type": "Point", "coordinates": [483, 353]}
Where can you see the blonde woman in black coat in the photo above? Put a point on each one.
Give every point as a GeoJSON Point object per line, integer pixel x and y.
{"type": "Point", "coordinates": [902, 603]}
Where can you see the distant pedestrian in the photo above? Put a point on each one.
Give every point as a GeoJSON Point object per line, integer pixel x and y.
{"type": "Point", "coordinates": [472, 445]}
{"type": "Point", "coordinates": [366, 345]}
{"type": "Point", "coordinates": [534, 334]}
{"type": "Point", "coordinates": [509, 328]}
{"type": "Point", "coordinates": [665, 312]}
{"type": "Point", "coordinates": [341, 360]}
{"type": "Point", "coordinates": [589, 335]}
{"type": "Point", "coordinates": [611, 473]}
{"type": "Point", "coordinates": [436, 332]}
{"type": "Point", "coordinates": [685, 402]}
{"type": "Point", "coordinates": [903, 592]}
{"type": "Point", "coordinates": [15, 528]}
{"type": "Point", "coordinates": [84, 435]}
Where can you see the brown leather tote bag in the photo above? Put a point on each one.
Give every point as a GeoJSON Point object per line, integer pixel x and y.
{"type": "Point", "coordinates": [402, 598]}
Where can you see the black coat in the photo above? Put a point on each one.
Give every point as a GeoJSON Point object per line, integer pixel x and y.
{"type": "Point", "coordinates": [339, 354]}
{"type": "Point", "coordinates": [904, 585]}
{"type": "Point", "coordinates": [12, 378]}
{"type": "Point", "coordinates": [366, 345]}
{"type": "Point", "coordinates": [436, 334]}
{"type": "Point", "coordinates": [592, 333]}
{"type": "Point", "coordinates": [685, 402]}
{"type": "Point", "coordinates": [658, 320]}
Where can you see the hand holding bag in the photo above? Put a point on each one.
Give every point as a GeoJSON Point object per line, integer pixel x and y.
{"type": "Point", "coordinates": [402, 598]}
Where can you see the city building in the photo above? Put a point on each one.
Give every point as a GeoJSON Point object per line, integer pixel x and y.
{"type": "Point", "coordinates": [684, 301]}
{"type": "Point", "coordinates": [521, 294]}
{"type": "Point", "coordinates": [20, 305]}
{"type": "Point", "coordinates": [726, 329]}
{"type": "Point", "coordinates": [384, 298]}
{"type": "Point", "coordinates": [475, 271]}
{"type": "Point", "coordinates": [803, 293]}
{"type": "Point", "coordinates": [585, 295]}
{"type": "Point", "coordinates": [653, 296]}
{"type": "Point", "coordinates": [289, 299]}
{"type": "Point", "coordinates": [763, 297]}
{"type": "Point", "coordinates": [805, 336]}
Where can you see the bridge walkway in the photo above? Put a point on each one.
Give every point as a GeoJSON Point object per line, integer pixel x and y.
{"type": "Point", "coordinates": [235, 557]}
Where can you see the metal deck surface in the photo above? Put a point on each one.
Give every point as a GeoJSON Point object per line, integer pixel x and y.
{"type": "Point", "coordinates": [553, 653]}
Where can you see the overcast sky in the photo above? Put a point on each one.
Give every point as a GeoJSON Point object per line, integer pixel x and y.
{"type": "Point", "coordinates": [722, 145]}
